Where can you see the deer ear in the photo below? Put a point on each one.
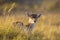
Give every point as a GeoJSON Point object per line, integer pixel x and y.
{"type": "Point", "coordinates": [27, 14]}
{"type": "Point", "coordinates": [38, 15]}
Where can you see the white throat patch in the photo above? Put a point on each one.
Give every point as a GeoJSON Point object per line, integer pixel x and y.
{"type": "Point", "coordinates": [31, 20]}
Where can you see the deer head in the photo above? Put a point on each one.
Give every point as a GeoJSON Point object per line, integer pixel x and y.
{"type": "Point", "coordinates": [33, 17]}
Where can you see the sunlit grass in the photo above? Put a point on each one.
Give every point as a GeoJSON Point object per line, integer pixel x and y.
{"type": "Point", "coordinates": [47, 26]}
{"type": "Point", "coordinates": [43, 25]}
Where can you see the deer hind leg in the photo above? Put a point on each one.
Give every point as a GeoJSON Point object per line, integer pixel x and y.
{"type": "Point", "coordinates": [18, 24]}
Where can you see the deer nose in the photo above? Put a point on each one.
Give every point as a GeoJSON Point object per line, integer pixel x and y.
{"type": "Point", "coordinates": [34, 21]}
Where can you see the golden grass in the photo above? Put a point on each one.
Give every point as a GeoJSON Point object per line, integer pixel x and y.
{"type": "Point", "coordinates": [44, 24]}
{"type": "Point", "coordinates": [44, 28]}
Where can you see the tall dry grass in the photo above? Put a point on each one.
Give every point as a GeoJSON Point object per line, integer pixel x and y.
{"type": "Point", "coordinates": [46, 28]}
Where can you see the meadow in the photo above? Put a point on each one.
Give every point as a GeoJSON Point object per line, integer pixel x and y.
{"type": "Point", "coordinates": [46, 28]}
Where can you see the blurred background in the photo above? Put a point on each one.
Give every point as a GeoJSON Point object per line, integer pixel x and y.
{"type": "Point", "coordinates": [30, 5]}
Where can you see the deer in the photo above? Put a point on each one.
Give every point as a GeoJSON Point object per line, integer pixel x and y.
{"type": "Point", "coordinates": [32, 19]}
